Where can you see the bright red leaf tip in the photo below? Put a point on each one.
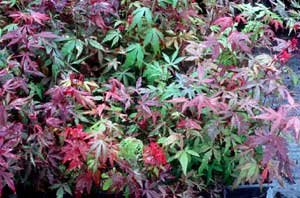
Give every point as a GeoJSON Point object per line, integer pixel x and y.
{"type": "Point", "coordinates": [296, 26]}
{"type": "Point", "coordinates": [121, 28]}
{"type": "Point", "coordinates": [154, 155]}
{"type": "Point", "coordinates": [294, 43]}
{"type": "Point", "coordinates": [277, 24]}
{"type": "Point", "coordinates": [284, 56]}
{"type": "Point", "coordinates": [240, 18]}
{"type": "Point", "coordinates": [264, 174]}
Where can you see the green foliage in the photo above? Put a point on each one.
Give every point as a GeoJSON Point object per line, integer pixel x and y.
{"type": "Point", "coordinates": [62, 189]}
{"type": "Point", "coordinates": [139, 15]}
{"type": "Point", "coordinates": [135, 56]}
{"type": "Point", "coordinates": [131, 149]}
{"type": "Point", "coordinates": [95, 44]}
{"type": "Point", "coordinates": [70, 46]}
{"type": "Point", "coordinates": [227, 58]}
{"type": "Point", "coordinates": [153, 37]}
{"type": "Point", "coordinates": [114, 36]}
{"type": "Point", "coordinates": [140, 97]}
{"type": "Point", "coordinates": [156, 72]}
{"type": "Point", "coordinates": [3, 58]}
{"type": "Point", "coordinates": [172, 61]}
{"type": "Point", "coordinates": [184, 158]}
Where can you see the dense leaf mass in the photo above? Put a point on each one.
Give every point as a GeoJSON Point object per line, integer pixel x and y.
{"type": "Point", "coordinates": [161, 98]}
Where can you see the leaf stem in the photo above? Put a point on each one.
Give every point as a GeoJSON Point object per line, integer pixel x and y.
{"type": "Point", "coordinates": [153, 5]}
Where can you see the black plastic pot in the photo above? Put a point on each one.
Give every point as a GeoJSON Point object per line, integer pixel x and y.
{"type": "Point", "coordinates": [246, 191]}
{"type": "Point", "coordinates": [30, 193]}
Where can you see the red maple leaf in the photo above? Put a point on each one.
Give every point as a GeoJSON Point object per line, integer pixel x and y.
{"type": "Point", "coordinates": [98, 20]}
{"type": "Point", "coordinates": [118, 92]}
{"type": "Point", "coordinates": [275, 146]}
{"type": "Point", "coordinates": [36, 17]}
{"type": "Point", "coordinates": [39, 17]}
{"type": "Point", "coordinates": [277, 24]}
{"type": "Point", "coordinates": [296, 26]}
{"type": "Point", "coordinates": [224, 22]}
{"type": "Point", "coordinates": [82, 97]}
{"type": "Point", "coordinates": [276, 117]}
{"type": "Point", "coordinates": [294, 43]}
{"type": "Point", "coordinates": [76, 148]}
{"type": "Point", "coordinates": [239, 40]}
{"type": "Point", "coordinates": [213, 43]}
{"type": "Point", "coordinates": [53, 122]}
{"type": "Point", "coordinates": [201, 101]}
{"type": "Point", "coordinates": [294, 124]}
{"type": "Point", "coordinates": [239, 122]}
{"type": "Point", "coordinates": [84, 182]}
{"type": "Point", "coordinates": [240, 18]}
{"type": "Point", "coordinates": [284, 56]}
{"type": "Point", "coordinates": [154, 155]}
{"type": "Point", "coordinates": [144, 108]}
{"type": "Point", "coordinates": [188, 124]}
{"type": "Point", "coordinates": [7, 177]}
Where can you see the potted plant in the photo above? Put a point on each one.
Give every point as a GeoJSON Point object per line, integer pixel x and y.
{"type": "Point", "coordinates": [158, 98]}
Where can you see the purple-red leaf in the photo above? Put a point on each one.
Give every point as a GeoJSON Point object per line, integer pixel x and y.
{"type": "Point", "coordinates": [188, 124]}
{"type": "Point", "coordinates": [276, 117]}
{"type": "Point", "coordinates": [294, 124]}
{"type": "Point", "coordinates": [48, 35]}
{"type": "Point", "coordinates": [213, 43]}
{"type": "Point", "coordinates": [224, 22]}
{"type": "Point", "coordinates": [240, 41]}
{"type": "Point", "coordinates": [54, 122]}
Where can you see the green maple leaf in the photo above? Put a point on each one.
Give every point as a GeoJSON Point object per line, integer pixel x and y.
{"type": "Point", "coordinates": [135, 55]}
{"type": "Point", "coordinates": [114, 36]}
{"type": "Point", "coordinates": [139, 14]}
{"type": "Point", "coordinates": [153, 37]}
